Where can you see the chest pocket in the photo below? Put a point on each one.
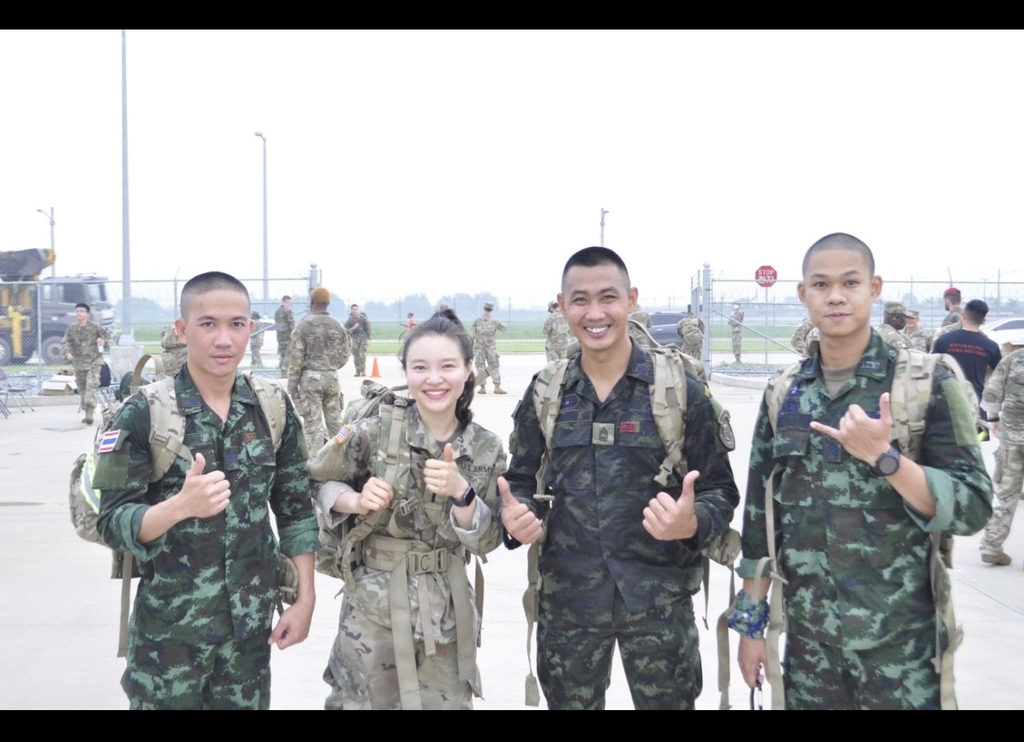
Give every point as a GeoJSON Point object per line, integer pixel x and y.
{"type": "Point", "coordinates": [574, 426]}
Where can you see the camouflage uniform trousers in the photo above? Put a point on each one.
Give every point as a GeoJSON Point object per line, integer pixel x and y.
{"type": "Point", "coordinates": [87, 377]}
{"type": "Point", "coordinates": [691, 350]}
{"type": "Point", "coordinates": [283, 349]}
{"type": "Point", "coordinates": [896, 676]}
{"type": "Point", "coordinates": [255, 347]}
{"type": "Point", "coordinates": [173, 360]}
{"type": "Point", "coordinates": [1009, 481]}
{"type": "Point", "coordinates": [362, 672]}
{"type": "Point", "coordinates": [359, 354]}
{"type": "Point", "coordinates": [167, 675]}
{"type": "Point", "coordinates": [658, 648]}
{"type": "Point", "coordinates": [319, 401]}
{"type": "Point", "coordinates": [737, 342]}
{"type": "Point", "coordinates": [555, 351]}
{"type": "Point", "coordinates": [487, 359]}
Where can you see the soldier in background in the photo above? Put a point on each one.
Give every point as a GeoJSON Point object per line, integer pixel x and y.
{"type": "Point", "coordinates": [1003, 401]}
{"type": "Point", "coordinates": [955, 319]}
{"type": "Point", "coordinates": [639, 315]}
{"type": "Point", "coordinates": [256, 339]}
{"type": "Point", "coordinates": [894, 319]}
{"type": "Point", "coordinates": [175, 351]}
{"type": "Point", "coordinates": [556, 333]}
{"type": "Point", "coordinates": [358, 326]}
{"type": "Point", "coordinates": [918, 338]}
{"type": "Point", "coordinates": [320, 346]}
{"type": "Point", "coordinates": [691, 334]}
{"type": "Point", "coordinates": [82, 345]}
{"type": "Point", "coordinates": [799, 339]}
{"type": "Point", "coordinates": [736, 323]}
{"type": "Point", "coordinates": [284, 323]}
{"type": "Point", "coordinates": [485, 342]}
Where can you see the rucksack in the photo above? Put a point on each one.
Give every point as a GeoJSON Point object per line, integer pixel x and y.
{"type": "Point", "coordinates": [668, 407]}
{"type": "Point", "coordinates": [166, 430]}
{"type": "Point", "coordinates": [908, 400]}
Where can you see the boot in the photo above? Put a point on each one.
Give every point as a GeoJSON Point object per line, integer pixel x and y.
{"type": "Point", "coordinates": [499, 390]}
{"type": "Point", "coordinates": [1000, 560]}
{"type": "Point", "coordinates": [482, 389]}
{"type": "Point", "coordinates": [88, 415]}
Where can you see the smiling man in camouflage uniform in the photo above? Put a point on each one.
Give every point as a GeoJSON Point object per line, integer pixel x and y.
{"type": "Point", "coordinates": [81, 346]}
{"type": "Point", "coordinates": [200, 634]}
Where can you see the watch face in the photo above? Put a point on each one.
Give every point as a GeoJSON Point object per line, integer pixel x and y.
{"type": "Point", "coordinates": [888, 463]}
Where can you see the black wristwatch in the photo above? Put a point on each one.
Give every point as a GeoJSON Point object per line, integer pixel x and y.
{"type": "Point", "coordinates": [467, 497]}
{"type": "Point", "coordinates": [887, 464]}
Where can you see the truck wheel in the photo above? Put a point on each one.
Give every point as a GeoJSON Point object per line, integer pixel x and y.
{"type": "Point", "coordinates": [51, 351]}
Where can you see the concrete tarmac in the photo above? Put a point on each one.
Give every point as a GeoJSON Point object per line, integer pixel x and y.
{"type": "Point", "coordinates": [59, 638]}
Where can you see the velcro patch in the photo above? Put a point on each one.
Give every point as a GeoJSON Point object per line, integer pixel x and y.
{"type": "Point", "coordinates": [342, 434]}
{"type": "Point", "coordinates": [628, 427]}
{"type": "Point", "coordinates": [109, 441]}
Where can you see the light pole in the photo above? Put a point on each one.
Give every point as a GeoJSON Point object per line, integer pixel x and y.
{"type": "Point", "coordinates": [266, 269]}
{"type": "Point", "coordinates": [53, 266]}
{"type": "Point", "coordinates": [603, 212]}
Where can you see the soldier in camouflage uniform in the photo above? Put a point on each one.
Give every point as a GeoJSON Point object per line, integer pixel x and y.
{"type": "Point", "coordinates": [256, 340]}
{"type": "Point", "coordinates": [894, 319]}
{"type": "Point", "coordinates": [320, 346]}
{"type": "Point", "coordinates": [1003, 400]}
{"type": "Point", "coordinates": [644, 319]}
{"type": "Point", "coordinates": [358, 326]}
{"type": "Point", "coordinates": [951, 298]}
{"type": "Point", "coordinates": [852, 517]}
{"type": "Point", "coordinates": [691, 335]}
{"type": "Point", "coordinates": [621, 558]}
{"type": "Point", "coordinates": [799, 339]}
{"type": "Point", "coordinates": [485, 341]}
{"type": "Point", "coordinates": [284, 323]}
{"type": "Point", "coordinates": [407, 636]}
{"type": "Point", "coordinates": [200, 634]}
{"type": "Point", "coordinates": [556, 332]}
{"type": "Point", "coordinates": [81, 346]}
{"type": "Point", "coordinates": [736, 323]}
{"type": "Point", "coordinates": [918, 338]}
{"type": "Point", "coordinates": [174, 349]}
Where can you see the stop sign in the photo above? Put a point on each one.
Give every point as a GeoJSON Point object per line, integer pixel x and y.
{"type": "Point", "coordinates": [765, 276]}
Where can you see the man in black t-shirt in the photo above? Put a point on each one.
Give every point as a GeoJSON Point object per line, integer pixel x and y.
{"type": "Point", "coordinates": [977, 354]}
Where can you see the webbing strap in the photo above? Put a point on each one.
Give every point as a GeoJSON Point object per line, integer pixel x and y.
{"type": "Point", "coordinates": [722, 637]}
{"type": "Point", "coordinates": [530, 600]}
{"type": "Point", "coordinates": [127, 567]}
{"type": "Point", "coordinates": [776, 609]}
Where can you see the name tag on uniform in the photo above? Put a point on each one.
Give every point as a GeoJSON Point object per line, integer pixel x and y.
{"type": "Point", "coordinates": [603, 434]}
{"type": "Point", "coordinates": [629, 427]}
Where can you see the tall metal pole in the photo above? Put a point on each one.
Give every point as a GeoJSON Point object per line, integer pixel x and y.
{"type": "Point", "coordinates": [53, 249]}
{"type": "Point", "coordinates": [266, 267]}
{"type": "Point", "coordinates": [126, 271]}
{"type": "Point", "coordinates": [603, 212]}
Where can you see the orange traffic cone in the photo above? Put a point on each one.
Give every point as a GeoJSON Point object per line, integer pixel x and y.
{"type": "Point", "coordinates": [376, 371]}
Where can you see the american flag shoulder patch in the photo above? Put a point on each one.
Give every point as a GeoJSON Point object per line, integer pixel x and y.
{"type": "Point", "coordinates": [342, 434]}
{"type": "Point", "coordinates": [109, 441]}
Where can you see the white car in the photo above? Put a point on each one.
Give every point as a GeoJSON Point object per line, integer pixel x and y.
{"type": "Point", "coordinates": [1005, 330]}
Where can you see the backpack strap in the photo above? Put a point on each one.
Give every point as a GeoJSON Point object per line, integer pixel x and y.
{"type": "Point", "coordinates": [272, 400]}
{"type": "Point", "coordinates": [668, 405]}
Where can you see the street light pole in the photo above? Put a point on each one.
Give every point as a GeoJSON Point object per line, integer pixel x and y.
{"type": "Point", "coordinates": [603, 212]}
{"type": "Point", "coordinates": [266, 267]}
{"type": "Point", "coordinates": [53, 267]}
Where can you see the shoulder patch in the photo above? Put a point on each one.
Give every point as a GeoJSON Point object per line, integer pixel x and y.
{"type": "Point", "coordinates": [109, 441]}
{"type": "Point", "coordinates": [342, 434]}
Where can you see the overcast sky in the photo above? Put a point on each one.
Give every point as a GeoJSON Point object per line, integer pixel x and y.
{"type": "Point", "coordinates": [428, 161]}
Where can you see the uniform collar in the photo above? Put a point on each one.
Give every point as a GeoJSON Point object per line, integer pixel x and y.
{"type": "Point", "coordinates": [417, 436]}
{"type": "Point", "coordinates": [191, 402]}
{"type": "Point", "coordinates": [874, 363]}
{"type": "Point", "coordinates": [640, 367]}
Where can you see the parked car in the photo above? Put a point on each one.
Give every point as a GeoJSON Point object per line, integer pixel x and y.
{"type": "Point", "coordinates": [663, 327]}
{"type": "Point", "coordinates": [1003, 330]}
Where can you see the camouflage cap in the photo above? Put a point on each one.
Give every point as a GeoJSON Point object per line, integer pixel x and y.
{"type": "Point", "coordinates": [320, 295]}
{"type": "Point", "coordinates": [488, 306]}
{"type": "Point", "coordinates": [254, 314]}
{"type": "Point", "coordinates": [913, 314]}
{"type": "Point", "coordinates": [895, 307]}
{"type": "Point", "coordinates": [552, 306]}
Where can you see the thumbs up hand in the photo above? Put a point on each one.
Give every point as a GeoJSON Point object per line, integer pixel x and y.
{"type": "Point", "coordinates": [442, 476]}
{"type": "Point", "coordinates": [518, 519]}
{"type": "Point", "coordinates": [667, 518]}
{"type": "Point", "coordinates": [203, 495]}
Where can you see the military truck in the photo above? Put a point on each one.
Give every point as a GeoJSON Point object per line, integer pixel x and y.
{"type": "Point", "coordinates": [20, 289]}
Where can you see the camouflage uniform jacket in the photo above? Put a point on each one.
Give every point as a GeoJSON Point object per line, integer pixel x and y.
{"type": "Point", "coordinates": [209, 579]}
{"type": "Point", "coordinates": [919, 340]}
{"type": "Point", "coordinates": [736, 321]}
{"type": "Point", "coordinates": [1004, 397]}
{"type": "Point", "coordinates": [955, 316]}
{"type": "Point", "coordinates": [799, 339]}
{"type": "Point", "coordinates": [175, 351]}
{"type": "Point", "coordinates": [485, 331]}
{"type": "Point", "coordinates": [596, 542]}
{"type": "Point", "coordinates": [319, 343]}
{"type": "Point", "coordinates": [363, 332]}
{"type": "Point", "coordinates": [81, 341]}
{"type": "Point", "coordinates": [416, 514]}
{"type": "Point", "coordinates": [284, 323]}
{"type": "Point", "coordinates": [556, 330]}
{"type": "Point", "coordinates": [854, 553]}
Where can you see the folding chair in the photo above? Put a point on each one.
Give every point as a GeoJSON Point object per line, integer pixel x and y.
{"type": "Point", "coordinates": [7, 388]}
